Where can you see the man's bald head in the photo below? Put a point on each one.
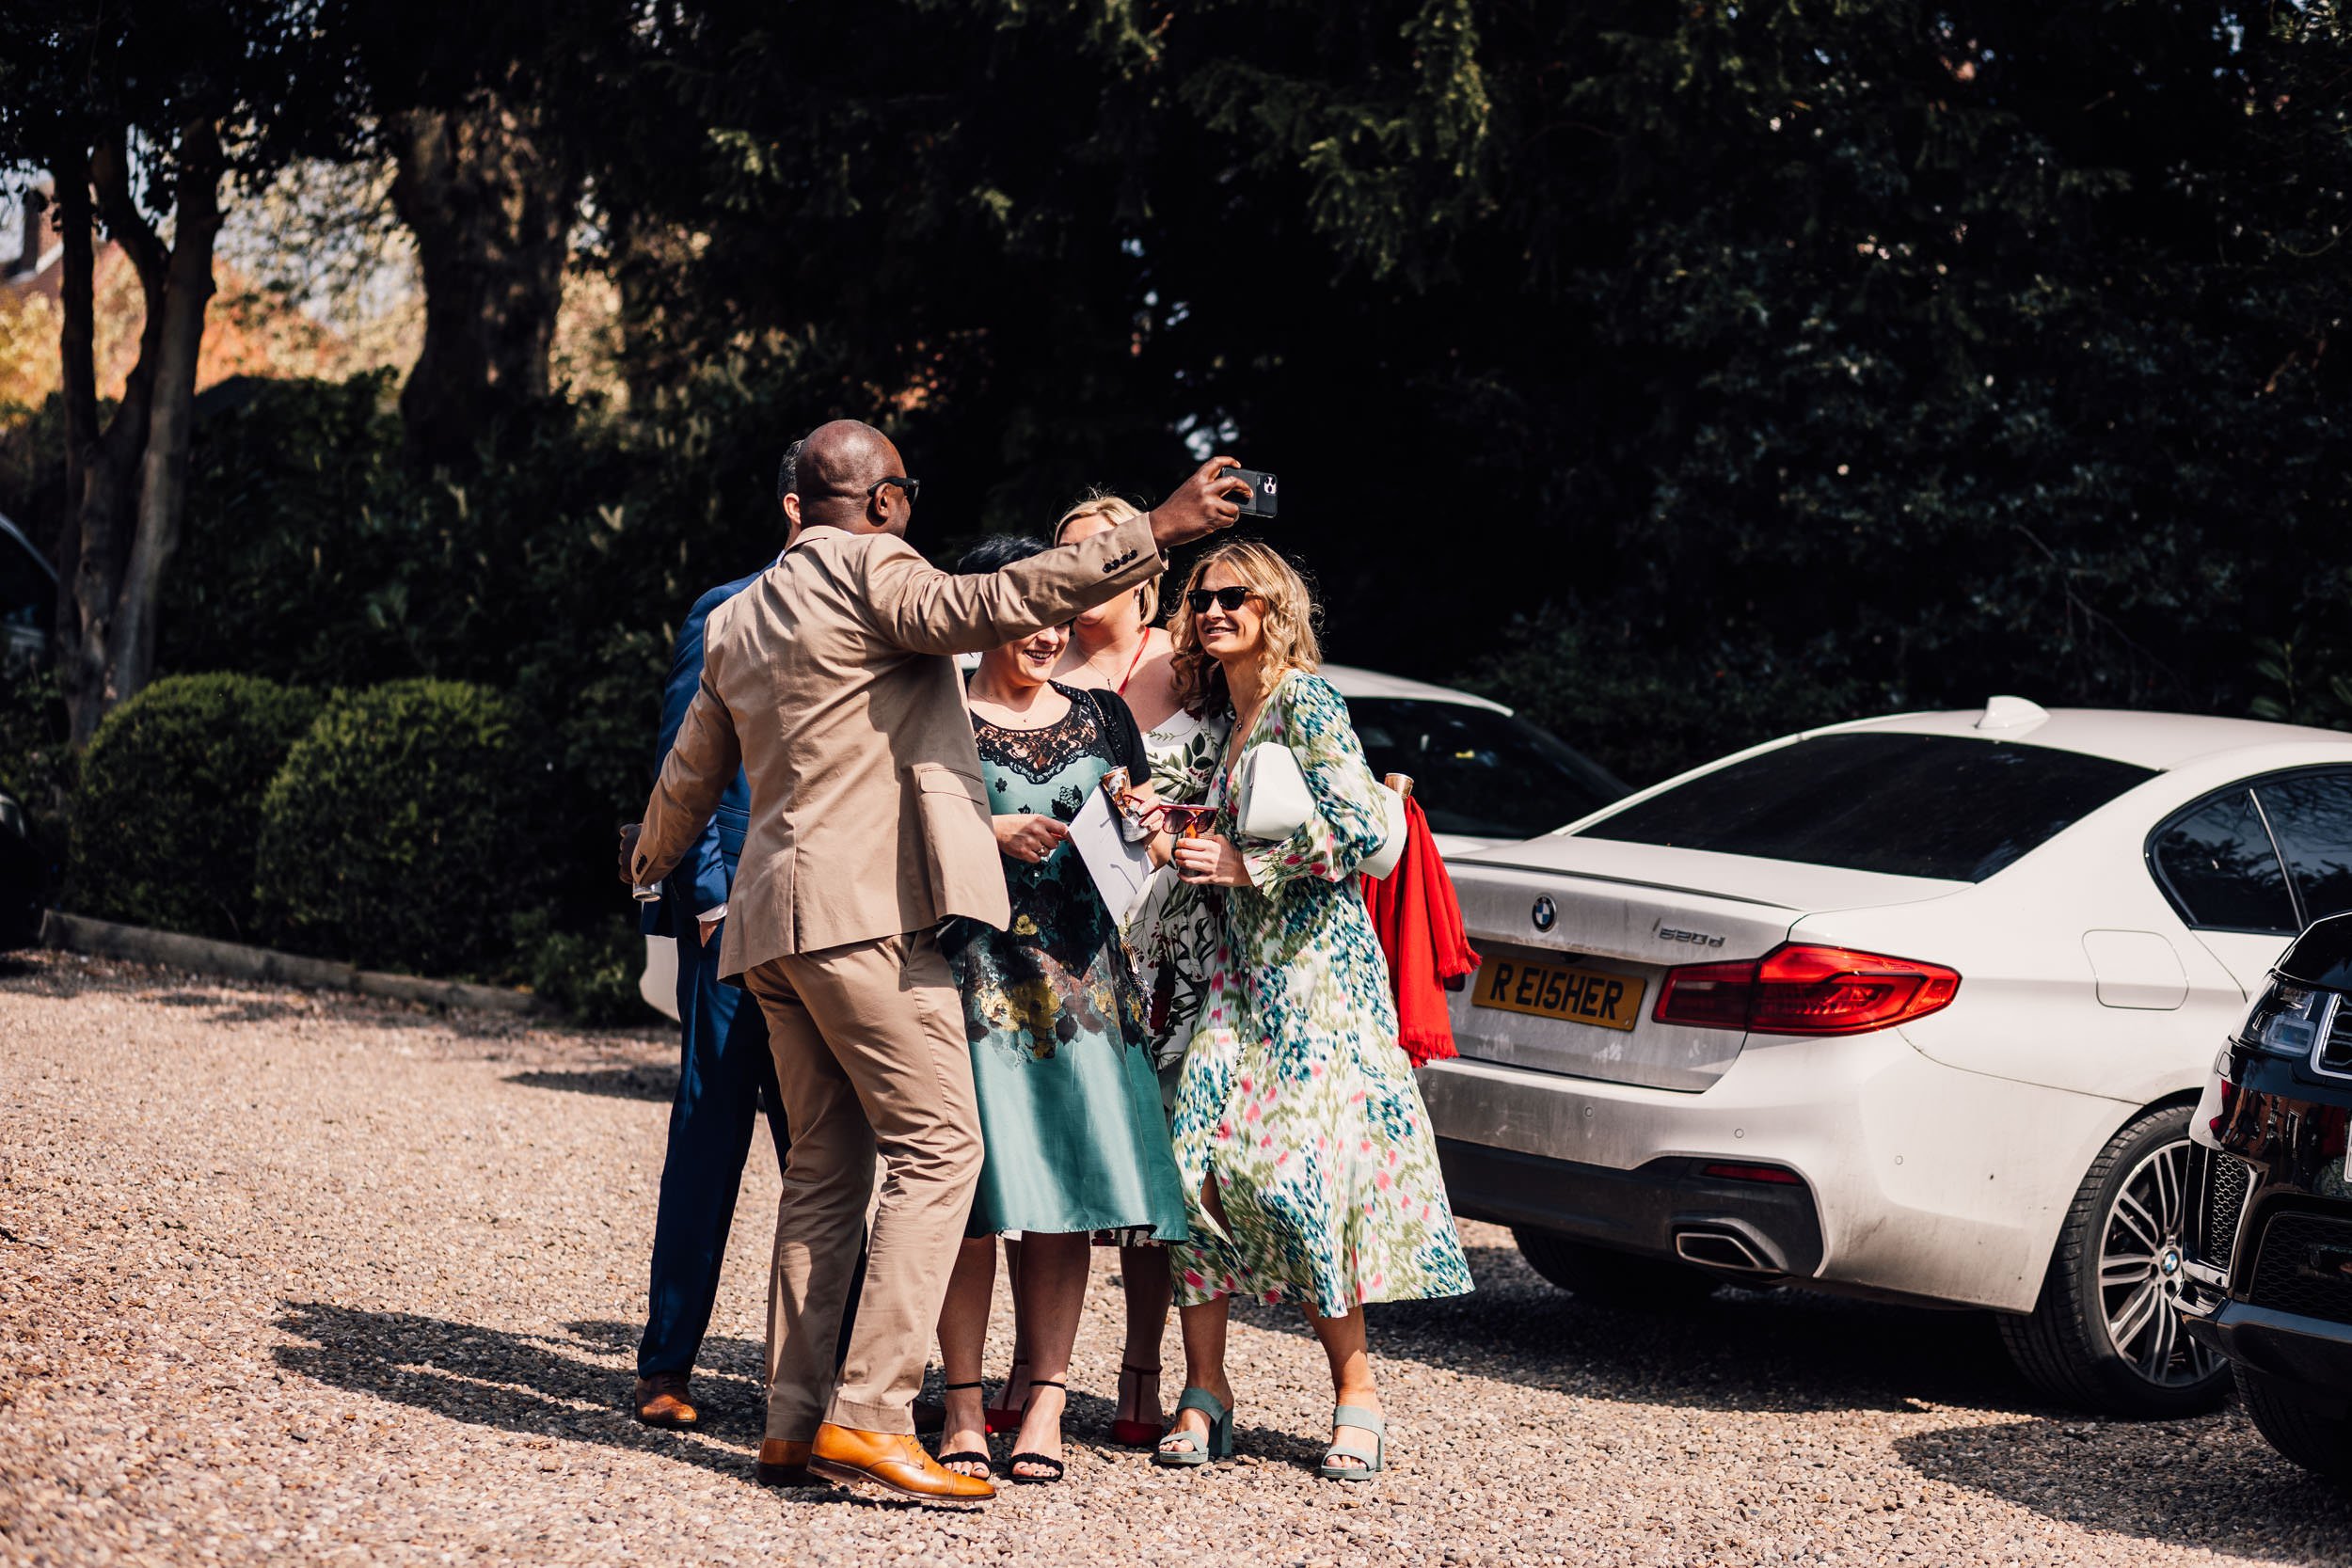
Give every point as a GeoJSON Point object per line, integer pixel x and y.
{"type": "Point", "coordinates": [840, 463]}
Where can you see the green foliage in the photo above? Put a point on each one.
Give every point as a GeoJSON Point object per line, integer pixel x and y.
{"type": "Point", "coordinates": [38, 762]}
{"type": "Point", "coordinates": [1647, 712]}
{"type": "Point", "coordinates": [591, 976]}
{"type": "Point", "coordinates": [408, 827]}
{"type": "Point", "coordinates": [313, 554]}
{"type": "Point", "coordinates": [171, 805]}
{"type": "Point", "coordinates": [2305, 679]}
{"type": "Point", "coordinates": [1928, 351]}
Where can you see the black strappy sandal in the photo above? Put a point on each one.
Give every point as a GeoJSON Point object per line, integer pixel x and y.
{"type": "Point", "coordinates": [967, 1457]}
{"type": "Point", "coordinates": [1059, 1469]}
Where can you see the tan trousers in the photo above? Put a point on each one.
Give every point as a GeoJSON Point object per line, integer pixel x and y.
{"type": "Point", "coordinates": [871, 1058]}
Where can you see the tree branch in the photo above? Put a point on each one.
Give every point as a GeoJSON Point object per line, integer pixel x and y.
{"type": "Point", "coordinates": [110, 170]}
{"type": "Point", "coordinates": [126, 433]}
{"type": "Point", "coordinates": [77, 337]}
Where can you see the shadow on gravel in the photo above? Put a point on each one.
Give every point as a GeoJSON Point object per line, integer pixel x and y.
{"type": "Point", "coordinates": [1743, 1350]}
{"type": "Point", "coordinates": [536, 1385]}
{"type": "Point", "coordinates": [230, 1009]}
{"type": "Point", "coordinates": [617, 1083]}
{"type": "Point", "coordinates": [526, 1383]}
{"type": "Point", "coordinates": [2210, 1482]}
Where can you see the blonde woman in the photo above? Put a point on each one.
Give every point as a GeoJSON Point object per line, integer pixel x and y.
{"type": "Point", "coordinates": [1309, 1170]}
{"type": "Point", "coordinates": [1115, 647]}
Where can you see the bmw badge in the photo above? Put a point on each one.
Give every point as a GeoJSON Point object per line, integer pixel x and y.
{"type": "Point", "coordinates": [1546, 912]}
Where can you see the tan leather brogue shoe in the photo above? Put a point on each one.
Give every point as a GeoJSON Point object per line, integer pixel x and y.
{"type": "Point", "coordinates": [784, 1463]}
{"type": "Point", "coordinates": [661, 1401]}
{"type": "Point", "coordinates": [893, 1459]}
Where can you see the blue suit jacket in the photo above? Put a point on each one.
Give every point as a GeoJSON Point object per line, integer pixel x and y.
{"type": "Point", "coordinates": [702, 879]}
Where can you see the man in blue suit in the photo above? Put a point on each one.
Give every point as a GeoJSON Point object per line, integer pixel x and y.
{"type": "Point", "coordinates": [725, 1073]}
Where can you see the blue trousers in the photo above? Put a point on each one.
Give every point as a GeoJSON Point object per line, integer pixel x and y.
{"type": "Point", "coordinates": [726, 1076]}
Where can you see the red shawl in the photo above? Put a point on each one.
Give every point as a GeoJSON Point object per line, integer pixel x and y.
{"type": "Point", "coordinates": [1419, 925]}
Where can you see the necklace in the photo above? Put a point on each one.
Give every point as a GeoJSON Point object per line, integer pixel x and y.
{"type": "Point", "coordinates": [1236, 742]}
{"type": "Point", "coordinates": [977, 701]}
{"type": "Point", "coordinates": [1143, 642]}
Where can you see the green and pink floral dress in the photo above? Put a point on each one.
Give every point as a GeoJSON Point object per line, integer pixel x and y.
{"type": "Point", "coordinates": [1295, 1098]}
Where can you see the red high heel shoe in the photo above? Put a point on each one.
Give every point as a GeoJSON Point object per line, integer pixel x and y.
{"type": "Point", "coordinates": [1136, 1434]}
{"type": "Point", "coordinates": [1002, 1417]}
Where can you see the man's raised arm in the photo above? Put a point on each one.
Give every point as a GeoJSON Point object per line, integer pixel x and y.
{"type": "Point", "coordinates": [927, 610]}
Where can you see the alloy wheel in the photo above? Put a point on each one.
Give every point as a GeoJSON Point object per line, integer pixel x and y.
{"type": "Point", "coordinates": [2140, 1272]}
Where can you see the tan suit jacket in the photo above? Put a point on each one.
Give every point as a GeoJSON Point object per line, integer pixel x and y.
{"type": "Point", "coordinates": [829, 681]}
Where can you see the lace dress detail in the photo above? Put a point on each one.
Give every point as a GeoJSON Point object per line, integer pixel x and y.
{"type": "Point", "coordinates": [1038, 756]}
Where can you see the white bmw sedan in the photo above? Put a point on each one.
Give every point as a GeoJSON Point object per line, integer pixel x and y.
{"type": "Point", "coordinates": [1915, 1007]}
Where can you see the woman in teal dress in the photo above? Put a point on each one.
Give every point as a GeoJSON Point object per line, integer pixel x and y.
{"type": "Point", "coordinates": [1306, 1153]}
{"type": "Point", "coordinates": [1070, 1105]}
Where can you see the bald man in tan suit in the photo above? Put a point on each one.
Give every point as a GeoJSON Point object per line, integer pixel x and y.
{"type": "Point", "coordinates": [830, 680]}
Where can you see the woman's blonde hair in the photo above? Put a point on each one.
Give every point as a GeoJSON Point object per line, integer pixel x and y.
{"type": "Point", "coordinates": [1114, 510]}
{"type": "Point", "coordinates": [1289, 613]}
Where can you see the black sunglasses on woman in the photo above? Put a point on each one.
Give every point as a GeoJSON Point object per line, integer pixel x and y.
{"type": "Point", "coordinates": [1227, 599]}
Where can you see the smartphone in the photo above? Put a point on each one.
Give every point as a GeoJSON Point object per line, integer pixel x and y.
{"type": "Point", "coordinates": [1264, 492]}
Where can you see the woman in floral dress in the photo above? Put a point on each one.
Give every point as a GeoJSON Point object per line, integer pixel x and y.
{"type": "Point", "coordinates": [1308, 1159]}
{"type": "Point", "coordinates": [1070, 1106]}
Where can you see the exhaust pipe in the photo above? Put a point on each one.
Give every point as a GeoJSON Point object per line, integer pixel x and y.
{"type": "Point", "coordinates": [1722, 1249]}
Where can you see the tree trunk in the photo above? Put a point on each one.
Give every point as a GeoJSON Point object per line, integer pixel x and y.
{"type": "Point", "coordinates": [163, 467]}
{"type": "Point", "coordinates": [491, 192]}
{"type": "Point", "coordinates": [126, 483]}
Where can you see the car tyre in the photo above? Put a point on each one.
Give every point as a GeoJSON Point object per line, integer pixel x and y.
{"type": "Point", "coordinates": [1614, 1279]}
{"type": "Point", "coordinates": [2316, 1435]}
{"type": "Point", "coordinates": [2068, 1345]}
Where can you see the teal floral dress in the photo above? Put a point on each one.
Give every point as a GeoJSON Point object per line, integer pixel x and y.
{"type": "Point", "coordinates": [1070, 1106]}
{"type": "Point", "coordinates": [1295, 1099]}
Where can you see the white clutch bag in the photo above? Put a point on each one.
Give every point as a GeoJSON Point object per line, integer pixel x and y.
{"type": "Point", "coordinates": [1271, 803]}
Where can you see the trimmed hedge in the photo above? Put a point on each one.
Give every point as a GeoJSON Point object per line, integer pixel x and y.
{"type": "Point", "coordinates": [590, 976]}
{"type": "Point", "coordinates": [170, 803]}
{"type": "Point", "coordinates": [409, 827]}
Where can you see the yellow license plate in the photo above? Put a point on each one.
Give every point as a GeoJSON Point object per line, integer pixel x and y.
{"type": "Point", "coordinates": [1565, 991]}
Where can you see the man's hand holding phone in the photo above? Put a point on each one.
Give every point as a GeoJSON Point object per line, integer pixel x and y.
{"type": "Point", "coordinates": [1208, 502]}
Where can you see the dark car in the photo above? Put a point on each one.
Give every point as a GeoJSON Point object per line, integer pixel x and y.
{"type": "Point", "coordinates": [2266, 1265]}
{"type": "Point", "coordinates": [28, 601]}
{"type": "Point", "coordinates": [22, 879]}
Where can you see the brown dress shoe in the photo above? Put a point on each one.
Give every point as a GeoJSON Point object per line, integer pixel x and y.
{"type": "Point", "coordinates": [661, 1401]}
{"type": "Point", "coordinates": [894, 1460]}
{"type": "Point", "coordinates": [783, 1463]}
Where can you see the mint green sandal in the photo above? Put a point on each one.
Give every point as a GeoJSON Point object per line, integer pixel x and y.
{"type": "Point", "coordinates": [1220, 1444]}
{"type": "Point", "coordinates": [1370, 1464]}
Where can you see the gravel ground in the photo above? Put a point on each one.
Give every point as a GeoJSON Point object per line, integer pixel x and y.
{"type": "Point", "coordinates": [292, 1278]}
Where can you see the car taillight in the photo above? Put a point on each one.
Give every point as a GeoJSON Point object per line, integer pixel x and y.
{"type": "Point", "coordinates": [1800, 988]}
{"type": "Point", "coordinates": [1775, 1175]}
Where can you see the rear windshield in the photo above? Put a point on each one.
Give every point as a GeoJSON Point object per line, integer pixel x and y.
{"type": "Point", "coordinates": [1477, 772]}
{"type": "Point", "coordinates": [1913, 805]}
